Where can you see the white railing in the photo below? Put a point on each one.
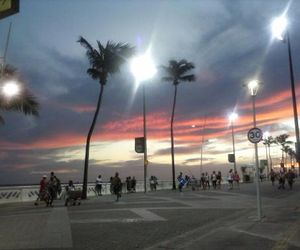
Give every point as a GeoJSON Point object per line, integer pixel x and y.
{"type": "Point", "coordinates": [30, 193]}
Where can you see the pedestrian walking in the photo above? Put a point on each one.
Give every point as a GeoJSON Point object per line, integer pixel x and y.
{"type": "Point", "coordinates": [281, 180]}
{"type": "Point", "coordinates": [290, 178]}
{"type": "Point", "coordinates": [272, 176]}
{"type": "Point", "coordinates": [117, 186]}
{"type": "Point", "coordinates": [203, 181]}
{"type": "Point", "coordinates": [213, 178]}
{"type": "Point", "coordinates": [219, 179]}
{"type": "Point", "coordinates": [236, 179]}
{"type": "Point", "coordinates": [181, 181]}
{"type": "Point", "coordinates": [207, 180]}
{"type": "Point", "coordinates": [133, 184]}
{"type": "Point", "coordinates": [52, 190]}
{"type": "Point", "coordinates": [230, 179]}
{"type": "Point", "coordinates": [98, 187]}
{"type": "Point", "coordinates": [42, 196]}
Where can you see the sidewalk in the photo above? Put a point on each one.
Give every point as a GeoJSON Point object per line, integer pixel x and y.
{"type": "Point", "coordinates": [215, 219]}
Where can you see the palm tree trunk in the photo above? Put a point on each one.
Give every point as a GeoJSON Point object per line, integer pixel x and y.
{"type": "Point", "coordinates": [172, 140]}
{"type": "Point", "coordinates": [87, 146]}
{"type": "Point", "coordinates": [271, 163]}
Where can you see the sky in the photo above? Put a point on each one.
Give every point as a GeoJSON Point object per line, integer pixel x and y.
{"type": "Point", "coordinates": [229, 42]}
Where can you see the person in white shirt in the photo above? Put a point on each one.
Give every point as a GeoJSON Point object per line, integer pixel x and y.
{"type": "Point", "coordinates": [98, 187]}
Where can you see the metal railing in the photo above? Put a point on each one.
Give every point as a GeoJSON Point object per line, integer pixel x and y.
{"type": "Point", "coordinates": [12, 194]}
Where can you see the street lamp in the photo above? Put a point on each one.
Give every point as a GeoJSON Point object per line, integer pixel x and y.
{"type": "Point", "coordinates": [142, 67]}
{"type": "Point", "coordinates": [253, 87]}
{"type": "Point", "coordinates": [280, 31]}
{"type": "Point", "coordinates": [232, 117]}
{"type": "Point", "coordinates": [10, 89]}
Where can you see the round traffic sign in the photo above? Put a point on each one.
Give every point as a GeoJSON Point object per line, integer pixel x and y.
{"type": "Point", "coordinates": [255, 135]}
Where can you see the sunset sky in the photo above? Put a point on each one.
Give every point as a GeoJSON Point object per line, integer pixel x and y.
{"type": "Point", "coordinates": [230, 43]}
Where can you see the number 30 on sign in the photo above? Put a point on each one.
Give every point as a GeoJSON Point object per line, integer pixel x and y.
{"type": "Point", "coordinates": [255, 135]}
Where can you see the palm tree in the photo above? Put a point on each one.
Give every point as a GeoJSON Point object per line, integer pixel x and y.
{"type": "Point", "coordinates": [24, 102]}
{"type": "Point", "coordinates": [176, 72]}
{"type": "Point", "coordinates": [292, 154]}
{"type": "Point", "coordinates": [268, 142]}
{"type": "Point", "coordinates": [104, 61]}
{"type": "Point", "coordinates": [282, 141]}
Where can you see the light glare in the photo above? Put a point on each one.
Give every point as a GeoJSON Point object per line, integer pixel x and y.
{"type": "Point", "coordinates": [233, 116]}
{"type": "Point", "coordinates": [266, 135]}
{"type": "Point", "coordinates": [11, 89]}
{"type": "Point", "coordinates": [142, 67]}
{"type": "Point", "coordinates": [253, 87]}
{"type": "Point", "coordinates": [279, 26]}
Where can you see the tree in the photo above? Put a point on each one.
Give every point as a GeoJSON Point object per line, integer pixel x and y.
{"type": "Point", "coordinates": [104, 61]}
{"type": "Point", "coordinates": [282, 141]}
{"type": "Point", "coordinates": [292, 154]}
{"type": "Point", "coordinates": [24, 102]}
{"type": "Point", "coordinates": [176, 72]}
{"type": "Point", "coordinates": [268, 142]}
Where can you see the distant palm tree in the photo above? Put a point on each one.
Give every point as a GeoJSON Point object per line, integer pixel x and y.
{"type": "Point", "coordinates": [292, 154]}
{"type": "Point", "coordinates": [24, 102]}
{"type": "Point", "coordinates": [282, 141]}
{"type": "Point", "coordinates": [176, 72]}
{"type": "Point", "coordinates": [268, 142]}
{"type": "Point", "coordinates": [104, 60]}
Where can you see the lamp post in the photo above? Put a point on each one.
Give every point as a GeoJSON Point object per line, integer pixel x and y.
{"type": "Point", "coordinates": [232, 117]}
{"type": "Point", "coordinates": [280, 31]}
{"type": "Point", "coordinates": [253, 87]}
{"type": "Point", "coordinates": [142, 67]}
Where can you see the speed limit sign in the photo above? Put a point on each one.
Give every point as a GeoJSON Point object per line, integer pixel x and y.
{"type": "Point", "coordinates": [255, 135]}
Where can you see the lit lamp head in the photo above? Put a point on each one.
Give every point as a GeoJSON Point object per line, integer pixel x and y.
{"type": "Point", "coordinates": [10, 89]}
{"type": "Point", "coordinates": [232, 117]}
{"type": "Point", "coordinates": [253, 87]}
{"type": "Point", "coordinates": [142, 67]}
{"type": "Point", "coordinates": [279, 26]}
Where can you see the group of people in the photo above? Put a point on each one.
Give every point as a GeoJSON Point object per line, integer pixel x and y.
{"type": "Point", "coordinates": [207, 180]}
{"type": "Point", "coordinates": [282, 176]}
{"type": "Point", "coordinates": [130, 184]}
{"type": "Point", "coordinates": [49, 189]}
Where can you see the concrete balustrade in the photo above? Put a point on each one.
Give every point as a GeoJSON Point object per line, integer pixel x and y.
{"type": "Point", "coordinates": [12, 194]}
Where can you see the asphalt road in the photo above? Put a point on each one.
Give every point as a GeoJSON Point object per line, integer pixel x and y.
{"type": "Point", "coordinates": [210, 219]}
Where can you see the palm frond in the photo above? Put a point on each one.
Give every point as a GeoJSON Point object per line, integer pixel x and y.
{"type": "Point", "coordinates": [188, 78]}
{"type": "Point", "coordinates": [91, 53]}
{"type": "Point", "coordinates": [176, 70]}
{"type": "Point", "coordinates": [105, 59]}
{"type": "Point", "coordinates": [25, 103]}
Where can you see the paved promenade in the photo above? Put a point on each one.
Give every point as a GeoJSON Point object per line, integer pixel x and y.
{"type": "Point", "coordinates": [215, 219]}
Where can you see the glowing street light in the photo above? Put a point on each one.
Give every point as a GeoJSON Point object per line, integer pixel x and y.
{"type": "Point", "coordinates": [253, 88]}
{"type": "Point", "coordinates": [142, 68]}
{"type": "Point", "coordinates": [10, 89]}
{"type": "Point", "coordinates": [279, 26]}
{"type": "Point", "coordinates": [280, 31]}
{"type": "Point", "coordinates": [232, 117]}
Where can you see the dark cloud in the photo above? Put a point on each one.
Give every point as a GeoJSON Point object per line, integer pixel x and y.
{"type": "Point", "coordinates": [229, 42]}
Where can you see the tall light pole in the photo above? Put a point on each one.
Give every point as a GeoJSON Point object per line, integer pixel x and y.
{"type": "Point", "coordinates": [280, 31]}
{"type": "Point", "coordinates": [142, 67]}
{"type": "Point", "coordinates": [253, 87]}
{"type": "Point", "coordinates": [232, 117]}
